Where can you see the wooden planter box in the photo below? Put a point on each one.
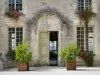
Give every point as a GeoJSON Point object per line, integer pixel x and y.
{"type": "Point", "coordinates": [23, 66]}
{"type": "Point", "coordinates": [71, 65]}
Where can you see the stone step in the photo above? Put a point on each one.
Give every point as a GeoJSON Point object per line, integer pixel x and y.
{"type": "Point", "coordinates": [80, 62]}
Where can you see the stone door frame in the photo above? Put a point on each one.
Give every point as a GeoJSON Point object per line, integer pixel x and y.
{"type": "Point", "coordinates": [59, 43]}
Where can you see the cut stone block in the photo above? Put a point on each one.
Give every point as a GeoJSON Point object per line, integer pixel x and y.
{"type": "Point", "coordinates": [1, 65]}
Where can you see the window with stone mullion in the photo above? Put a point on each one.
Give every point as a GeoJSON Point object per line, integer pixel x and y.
{"type": "Point", "coordinates": [84, 4]}
{"type": "Point", "coordinates": [15, 5]}
{"type": "Point", "coordinates": [80, 4]}
{"type": "Point", "coordinates": [81, 38]}
{"type": "Point", "coordinates": [15, 37]}
{"type": "Point", "coordinates": [88, 4]}
{"type": "Point", "coordinates": [18, 4]}
{"type": "Point", "coordinates": [11, 4]}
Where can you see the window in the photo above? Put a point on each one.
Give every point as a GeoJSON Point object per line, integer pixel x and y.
{"type": "Point", "coordinates": [15, 37]}
{"type": "Point", "coordinates": [15, 5]}
{"type": "Point", "coordinates": [53, 45]}
{"type": "Point", "coordinates": [18, 4]}
{"type": "Point", "coordinates": [81, 38]}
{"type": "Point", "coordinates": [11, 4]}
{"type": "Point", "coordinates": [84, 4]}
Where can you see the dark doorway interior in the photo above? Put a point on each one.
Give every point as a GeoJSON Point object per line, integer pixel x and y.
{"type": "Point", "coordinates": [53, 48]}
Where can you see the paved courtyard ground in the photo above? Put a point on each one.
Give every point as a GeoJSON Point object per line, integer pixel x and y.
{"type": "Point", "coordinates": [56, 69]}
{"type": "Point", "coordinates": [53, 71]}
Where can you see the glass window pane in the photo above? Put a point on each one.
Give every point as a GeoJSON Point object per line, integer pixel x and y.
{"type": "Point", "coordinates": [78, 36]}
{"type": "Point", "coordinates": [11, 38]}
{"type": "Point", "coordinates": [19, 35]}
{"type": "Point", "coordinates": [19, 1]}
{"type": "Point", "coordinates": [80, 4]}
{"type": "Point", "coordinates": [82, 0]}
{"type": "Point", "coordinates": [15, 37]}
{"type": "Point", "coordinates": [82, 32]}
{"type": "Point", "coordinates": [78, 32]}
{"type": "Point", "coordinates": [81, 39]}
{"type": "Point", "coordinates": [11, 1]}
{"type": "Point", "coordinates": [11, 4]}
{"type": "Point", "coordinates": [78, 28]}
{"type": "Point", "coordinates": [88, 4]}
{"type": "Point", "coordinates": [18, 6]}
{"type": "Point", "coordinates": [17, 29]}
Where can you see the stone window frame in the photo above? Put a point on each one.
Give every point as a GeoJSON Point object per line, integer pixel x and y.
{"type": "Point", "coordinates": [13, 5]}
{"type": "Point", "coordinates": [84, 4]}
{"type": "Point", "coordinates": [17, 36]}
{"type": "Point", "coordinates": [82, 41]}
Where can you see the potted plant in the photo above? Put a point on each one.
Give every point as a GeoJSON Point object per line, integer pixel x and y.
{"type": "Point", "coordinates": [87, 56]}
{"type": "Point", "coordinates": [69, 54]}
{"type": "Point", "coordinates": [23, 56]}
{"type": "Point", "coordinates": [13, 14]}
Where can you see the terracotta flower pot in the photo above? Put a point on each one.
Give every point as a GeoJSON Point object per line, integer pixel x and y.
{"type": "Point", "coordinates": [23, 66]}
{"type": "Point", "coordinates": [71, 65]}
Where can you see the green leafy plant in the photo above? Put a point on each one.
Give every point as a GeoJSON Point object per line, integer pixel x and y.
{"type": "Point", "coordinates": [11, 55]}
{"type": "Point", "coordinates": [22, 52]}
{"type": "Point", "coordinates": [85, 14]}
{"type": "Point", "coordinates": [87, 56]}
{"type": "Point", "coordinates": [70, 52]}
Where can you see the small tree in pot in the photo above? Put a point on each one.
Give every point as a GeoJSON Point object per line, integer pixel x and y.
{"type": "Point", "coordinates": [23, 56]}
{"type": "Point", "coordinates": [69, 54]}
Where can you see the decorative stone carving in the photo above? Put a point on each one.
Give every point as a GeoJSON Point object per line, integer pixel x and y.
{"type": "Point", "coordinates": [32, 22]}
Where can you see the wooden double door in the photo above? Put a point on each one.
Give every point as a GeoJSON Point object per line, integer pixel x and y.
{"type": "Point", "coordinates": [48, 48]}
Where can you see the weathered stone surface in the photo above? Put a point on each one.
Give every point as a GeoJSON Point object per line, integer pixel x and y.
{"type": "Point", "coordinates": [1, 65]}
{"type": "Point", "coordinates": [62, 18]}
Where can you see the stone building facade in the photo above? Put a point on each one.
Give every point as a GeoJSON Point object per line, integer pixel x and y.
{"type": "Point", "coordinates": [47, 22]}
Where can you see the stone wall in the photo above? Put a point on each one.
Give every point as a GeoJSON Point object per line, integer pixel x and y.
{"type": "Point", "coordinates": [3, 29]}
{"type": "Point", "coordinates": [33, 9]}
